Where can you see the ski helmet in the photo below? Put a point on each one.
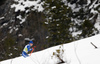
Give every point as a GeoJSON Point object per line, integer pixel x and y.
{"type": "Point", "coordinates": [31, 42]}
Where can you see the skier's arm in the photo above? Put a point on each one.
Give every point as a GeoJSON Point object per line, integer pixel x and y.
{"type": "Point", "coordinates": [29, 49]}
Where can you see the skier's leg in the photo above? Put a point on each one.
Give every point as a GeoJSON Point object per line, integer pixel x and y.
{"type": "Point", "coordinates": [26, 54]}
{"type": "Point", "coordinates": [23, 54]}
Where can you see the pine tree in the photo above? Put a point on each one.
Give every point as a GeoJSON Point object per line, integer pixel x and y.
{"type": "Point", "coordinates": [58, 17]}
{"type": "Point", "coordinates": [68, 21]}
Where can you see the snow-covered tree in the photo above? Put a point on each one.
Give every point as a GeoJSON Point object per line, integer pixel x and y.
{"type": "Point", "coordinates": [71, 20]}
{"type": "Point", "coordinates": [58, 16]}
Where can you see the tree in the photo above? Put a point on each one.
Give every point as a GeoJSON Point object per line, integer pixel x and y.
{"type": "Point", "coordinates": [67, 21]}
{"type": "Point", "coordinates": [58, 17]}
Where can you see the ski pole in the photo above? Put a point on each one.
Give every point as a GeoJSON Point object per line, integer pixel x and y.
{"type": "Point", "coordinates": [32, 50]}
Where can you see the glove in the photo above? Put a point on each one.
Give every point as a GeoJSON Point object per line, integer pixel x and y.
{"type": "Point", "coordinates": [34, 46]}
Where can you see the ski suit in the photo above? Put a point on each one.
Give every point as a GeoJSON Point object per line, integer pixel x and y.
{"type": "Point", "coordinates": [26, 50]}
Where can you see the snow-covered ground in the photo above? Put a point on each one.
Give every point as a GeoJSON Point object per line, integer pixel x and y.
{"type": "Point", "coordinates": [77, 52]}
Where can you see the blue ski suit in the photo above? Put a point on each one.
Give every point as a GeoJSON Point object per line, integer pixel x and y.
{"type": "Point", "coordinates": [26, 50]}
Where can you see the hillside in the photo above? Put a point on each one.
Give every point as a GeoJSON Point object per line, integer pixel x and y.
{"type": "Point", "coordinates": [46, 22]}
{"type": "Point", "coordinates": [77, 52]}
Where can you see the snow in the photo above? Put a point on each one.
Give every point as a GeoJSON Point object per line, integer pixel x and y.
{"type": "Point", "coordinates": [20, 35]}
{"type": "Point", "coordinates": [57, 24]}
{"type": "Point", "coordinates": [46, 22]}
{"type": "Point", "coordinates": [96, 5]}
{"type": "Point", "coordinates": [72, 6]}
{"type": "Point", "coordinates": [53, 7]}
{"type": "Point", "coordinates": [97, 24]}
{"type": "Point", "coordinates": [77, 52]}
{"type": "Point", "coordinates": [47, 37]}
{"type": "Point", "coordinates": [27, 39]}
{"type": "Point", "coordinates": [76, 33]}
{"type": "Point", "coordinates": [93, 4]}
{"type": "Point", "coordinates": [2, 18]}
{"type": "Point", "coordinates": [11, 30]}
{"type": "Point", "coordinates": [88, 2]}
{"type": "Point", "coordinates": [22, 4]}
{"type": "Point", "coordinates": [19, 17]}
{"type": "Point", "coordinates": [10, 54]}
{"type": "Point", "coordinates": [5, 24]}
{"type": "Point", "coordinates": [76, 9]}
{"type": "Point", "coordinates": [94, 11]}
{"type": "Point", "coordinates": [22, 19]}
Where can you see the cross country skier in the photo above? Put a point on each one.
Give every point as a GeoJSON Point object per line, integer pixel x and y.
{"type": "Point", "coordinates": [27, 48]}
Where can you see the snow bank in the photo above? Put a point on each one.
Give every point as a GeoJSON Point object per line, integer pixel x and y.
{"type": "Point", "coordinates": [77, 52]}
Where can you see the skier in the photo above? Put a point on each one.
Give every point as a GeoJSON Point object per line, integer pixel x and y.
{"type": "Point", "coordinates": [27, 49]}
